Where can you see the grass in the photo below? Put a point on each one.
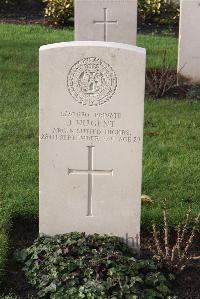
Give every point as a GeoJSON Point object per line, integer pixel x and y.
{"type": "Point", "coordinates": [156, 45]}
{"type": "Point", "coordinates": [171, 158]}
{"type": "Point", "coordinates": [171, 137]}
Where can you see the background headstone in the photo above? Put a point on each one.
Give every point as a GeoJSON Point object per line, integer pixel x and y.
{"type": "Point", "coordinates": [106, 20]}
{"type": "Point", "coordinates": [189, 40]}
{"type": "Point", "coordinates": [91, 132]}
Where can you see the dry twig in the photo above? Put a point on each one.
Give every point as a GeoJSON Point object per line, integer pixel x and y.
{"type": "Point", "coordinates": [175, 256]}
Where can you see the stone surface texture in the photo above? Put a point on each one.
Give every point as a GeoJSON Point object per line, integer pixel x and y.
{"type": "Point", "coordinates": [189, 40]}
{"type": "Point", "coordinates": [91, 134]}
{"type": "Point", "coordinates": [106, 20]}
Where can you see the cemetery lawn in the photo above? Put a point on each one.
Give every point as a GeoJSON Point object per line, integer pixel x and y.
{"type": "Point", "coordinates": [171, 137]}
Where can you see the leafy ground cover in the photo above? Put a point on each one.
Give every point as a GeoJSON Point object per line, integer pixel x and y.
{"type": "Point", "coordinates": [171, 136]}
{"type": "Point", "coordinates": [90, 267]}
{"type": "Point", "coordinates": [23, 234]}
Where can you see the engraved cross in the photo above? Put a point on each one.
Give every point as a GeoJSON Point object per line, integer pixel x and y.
{"type": "Point", "coordinates": [90, 172]}
{"type": "Point", "coordinates": [105, 22]}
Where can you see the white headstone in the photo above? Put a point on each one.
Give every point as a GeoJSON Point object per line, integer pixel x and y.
{"type": "Point", "coordinates": [189, 40]}
{"type": "Point", "coordinates": [106, 20]}
{"type": "Point", "coordinates": [91, 132]}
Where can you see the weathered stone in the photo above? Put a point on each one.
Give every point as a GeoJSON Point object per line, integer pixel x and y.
{"type": "Point", "coordinates": [91, 132]}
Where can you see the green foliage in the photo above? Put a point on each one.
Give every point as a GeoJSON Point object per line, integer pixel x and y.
{"type": "Point", "coordinates": [194, 93]}
{"type": "Point", "coordinates": [78, 266]}
{"type": "Point", "coordinates": [158, 12]}
{"type": "Point", "coordinates": [58, 12]}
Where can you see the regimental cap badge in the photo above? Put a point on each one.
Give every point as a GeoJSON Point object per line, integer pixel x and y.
{"type": "Point", "coordinates": [91, 82]}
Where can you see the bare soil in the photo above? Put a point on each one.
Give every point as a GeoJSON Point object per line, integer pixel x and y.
{"type": "Point", "coordinates": [30, 12]}
{"type": "Point", "coordinates": [24, 232]}
{"type": "Point", "coordinates": [163, 83]}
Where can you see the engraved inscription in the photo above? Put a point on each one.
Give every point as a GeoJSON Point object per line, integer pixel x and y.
{"type": "Point", "coordinates": [91, 82]}
{"type": "Point", "coordinates": [90, 172]}
{"type": "Point", "coordinates": [105, 22]}
{"type": "Point", "coordinates": [91, 127]}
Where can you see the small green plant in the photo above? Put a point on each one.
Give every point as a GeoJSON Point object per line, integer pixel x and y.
{"type": "Point", "coordinates": [78, 266]}
{"type": "Point", "coordinates": [58, 12]}
{"type": "Point", "coordinates": [175, 256]}
{"type": "Point", "coordinates": [194, 93]}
